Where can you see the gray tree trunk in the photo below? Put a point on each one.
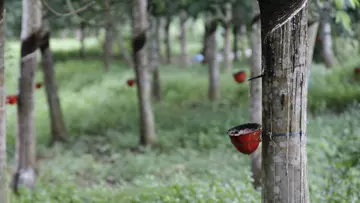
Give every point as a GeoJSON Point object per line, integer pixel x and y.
{"type": "Point", "coordinates": [3, 171]}
{"type": "Point", "coordinates": [236, 41]}
{"type": "Point", "coordinates": [227, 39]}
{"type": "Point", "coordinates": [284, 50]}
{"type": "Point", "coordinates": [82, 39]}
{"type": "Point", "coordinates": [124, 52]}
{"type": "Point", "coordinates": [26, 142]}
{"type": "Point", "coordinates": [154, 58]}
{"type": "Point", "coordinates": [313, 29]}
{"type": "Point", "coordinates": [58, 129]}
{"type": "Point", "coordinates": [255, 93]}
{"type": "Point", "coordinates": [147, 125]}
{"type": "Point", "coordinates": [210, 56]}
{"type": "Point", "coordinates": [108, 45]}
{"type": "Point", "coordinates": [183, 39]}
{"type": "Point", "coordinates": [167, 40]}
{"type": "Point", "coordinates": [327, 44]}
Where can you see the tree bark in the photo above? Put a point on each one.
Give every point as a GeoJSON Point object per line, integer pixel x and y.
{"type": "Point", "coordinates": [154, 59]}
{"type": "Point", "coordinates": [284, 50]}
{"type": "Point", "coordinates": [108, 44]}
{"type": "Point", "coordinates": [82, 40]}
{"type": "Point", "coordinates": [3, 171]}
{"type": "Point", "coordinates": [183, 39]}
{"type": "Point", "coordinates": [227, 40]}
{"type": "Point", "coordinates": [26, 142]}
{"type": "Point", "coordinates": [313, 29]}
{"type": "Point", "coordinates": [58, 129]}
{"type": "Point", "coordinates": [147, 125]}
{"type": "Point", "coordinates": [255, 93]}
{"type": "Point", "coordinates": [124, 52]}
{"type": "Point", "coordinates": [327, 44]}
{"type": "Point", "coordinates": [210, 57]}
{"type": "Point", "coordinates": [167, 40]}
{"type": "Point", "coordinates": [236, 41]}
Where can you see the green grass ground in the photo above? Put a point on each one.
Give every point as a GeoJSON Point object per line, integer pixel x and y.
{"type": "Point", "coordinates": [194, 160]}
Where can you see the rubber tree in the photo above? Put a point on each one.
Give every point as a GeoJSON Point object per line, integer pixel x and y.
{"type": "Point", "coordinates": [326, 37]}
{"type": "Point", "coordinates": [284, 91]}
{"type": "Point", "coordinates": [210, 56]}
{"type": "Point", "coordinates": [58, 129]}
{"type": "Point", "coordinates": [227, 38]}
{"type": "Point", "coordinates": [140, 25]}
{"type": "Point", "coordinates": [3, 171]}
{"type": "Point", "coordinates": [183, 38]}
{"type": "Point", "coordinates": [255, 92]}
{"type": "Point", "coordinates": [154, 58]}
{"type": "Point", "coordinates": [25, 140]}
{"type": "Point", "coordinates": [108, 42]}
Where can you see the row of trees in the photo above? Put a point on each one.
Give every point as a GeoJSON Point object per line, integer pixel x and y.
{"type": "Point", "coordinates": [283, 90]}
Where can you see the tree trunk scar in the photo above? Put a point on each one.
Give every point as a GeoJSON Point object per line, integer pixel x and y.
{"type": "Point", "coordinates": [138, 43]}
{"type": "Point", "coordinates": [279, 15]}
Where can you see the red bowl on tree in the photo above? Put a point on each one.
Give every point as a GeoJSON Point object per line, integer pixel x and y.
{"type": "Point", "coordinates": [246, 137]}
{"type": "Point", "coordinates": [240, 76]}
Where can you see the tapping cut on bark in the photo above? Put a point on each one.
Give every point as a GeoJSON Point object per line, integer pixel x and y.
{"type": "Point", "coordinates": [138, 42]}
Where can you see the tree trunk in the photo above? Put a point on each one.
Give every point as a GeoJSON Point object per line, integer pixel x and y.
{"type": "Point", "coordinates": [108, 44]}
{"type": "Point", "coordinates": [3, 171]}
{"type": "Point", "coordinates": [124, 52]}
{"type": "Point", "coordinates": [26, 142]}
{"type": "Point", "coordinates": [154, 58]}
{"type": "Point", "coordinates": [255, 93]}
{"type": "Point", "coordinates": [210, 56]}
{"type": "Point", "coordinates": [147, 125]}
{"type": "Point", "coordinates": [167, 40]}
{"type": "Point", "coordinates": [227, 40]}
{"type": "Point", "coordinates": [183, 39]}
{"type": "Point", "coordinates": [82, 39]}
{"type": "Point", "coordinates": [236, 41]}
{"type": "Point", "coordinates": [313, 29]}
{"type": "Point", "coordinates": [284, 50]}
{"type": "Point", "coordinates": [58, 130]}
{"type": "Point", "coordinates": [327, 44]}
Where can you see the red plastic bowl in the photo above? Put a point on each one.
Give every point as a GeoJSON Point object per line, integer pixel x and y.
{"type": "Point", "coordinates": [130, 82]}
{"type": "Point", "coordinates": [246, 137]}
{"type": "Point", "coordinates": [240, 77]}
{"type": "Point", "coordinates": [11, 99]}
{"type": "Point", "coordinates": [357, 71]}
{"type": "Point", "coordinates": [38, 85]}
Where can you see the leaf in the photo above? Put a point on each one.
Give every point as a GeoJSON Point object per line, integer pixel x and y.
{"type": "Point", "coordinates": [339, 4]}
{"type": "Point", "coordinates": [343, 18]}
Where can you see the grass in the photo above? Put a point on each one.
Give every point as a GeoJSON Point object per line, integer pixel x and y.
{"type": "Point", "coordinates": [194, 160]}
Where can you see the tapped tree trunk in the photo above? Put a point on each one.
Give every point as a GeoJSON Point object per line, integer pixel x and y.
{"type": "Point", "coordinates": [26, 142]}
{"type": "Point", "coordinates": [327, 44]}
{"type": "Point", "coordinates": [108, 46]}
{"type": "Point", "coordinates": [255, 93]}
{"type": "Point", "coordinates": [58, 130]}
{"type": "Point", "coordinates": [210, 57]}
{"type": "Point", "coordinates": [154, 59]}
{"type": "Point", "coordinates": [227, 40]}
{"type": "Point", "coordinates": [82, 39]}
{"type": "Point", "coordinates": [235, 43]}
{"type": "Point", "coordinates": [140, 25]}
{"type": "Point", "coordinates": [124, 52]}
{"type": "Point", "coordinates": [313, 29]}
{"type": "Point", "coordinates": [3, 172]}
{"type": "Point", "coordinates": [183, 39]}
{"type": "Point", "coordinates": [167, 40]}
{"type": "Point", "coordinates": [284, 50]}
